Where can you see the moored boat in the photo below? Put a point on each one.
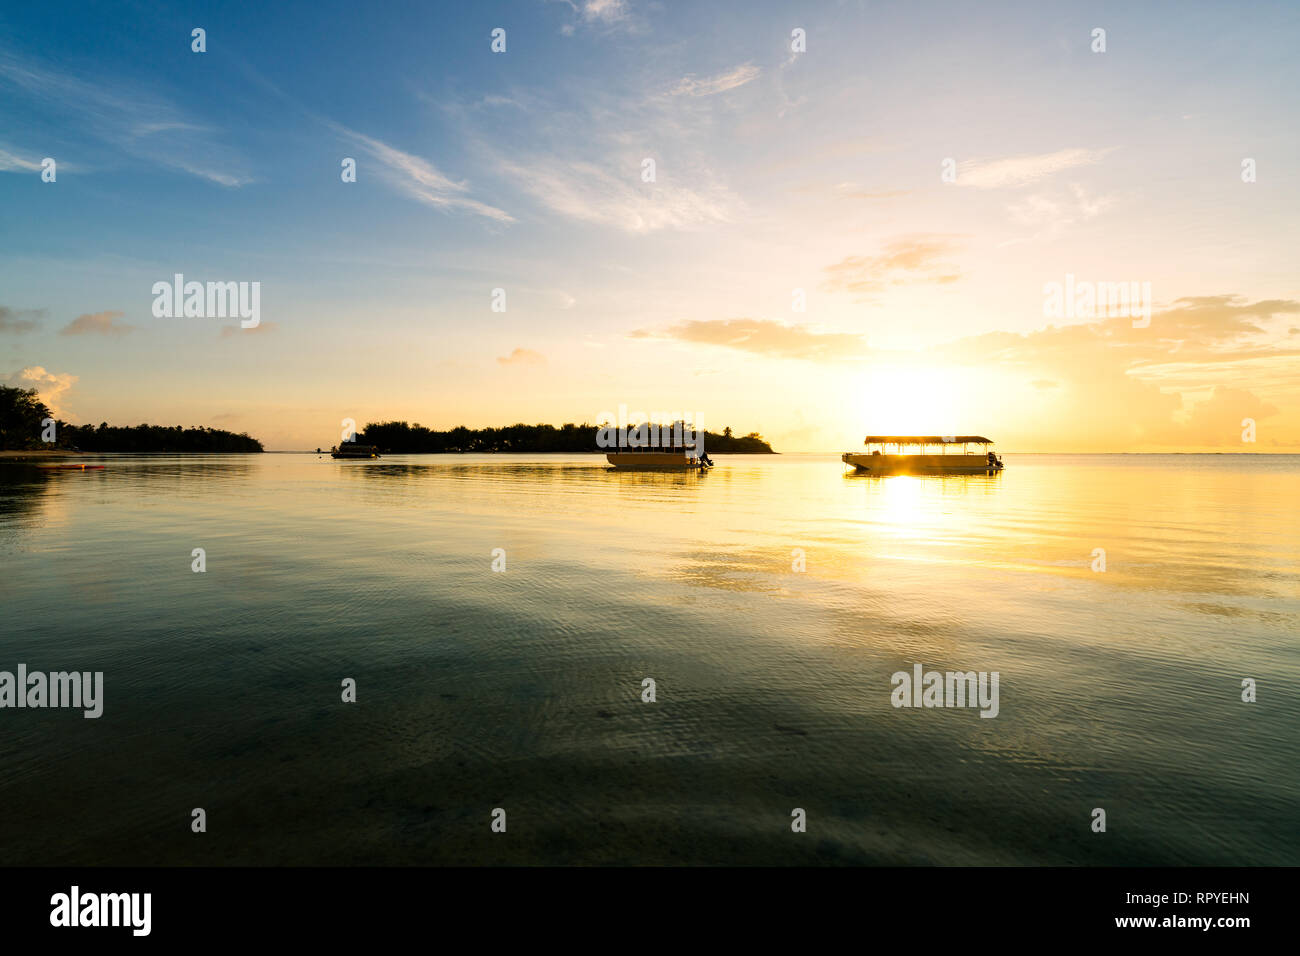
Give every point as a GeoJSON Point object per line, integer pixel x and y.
{"type": "Point", "coordinates": [911, 455]}
{"type": "Point", "coordinates": [673, 458]}
{"type": "Point", "coordinates": [350, 449]}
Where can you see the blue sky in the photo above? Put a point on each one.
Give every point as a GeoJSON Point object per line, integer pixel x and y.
{"type": "Point", "coordinates": [775, 170]}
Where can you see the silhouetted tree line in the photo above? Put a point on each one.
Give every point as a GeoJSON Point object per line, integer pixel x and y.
{"type": "Point", "coordinates": [404, 438]}
{"type": "Point", "coordinates": [22, 414]}
{"type": "Point", "coordinates": [155, 438]}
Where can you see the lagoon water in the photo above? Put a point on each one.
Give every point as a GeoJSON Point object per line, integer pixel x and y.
{"type": "Point", "coordinates": [521, 689]}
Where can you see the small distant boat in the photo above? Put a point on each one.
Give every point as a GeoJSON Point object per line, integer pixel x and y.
{"type": "Point", "coordinates": [911, 455]}
{"type": "Point", "coordinates": [673, 458]}
{"type": "Point", "coordinates": [72, 467]}
{"type": "Point", "coordinates": [350, 449]}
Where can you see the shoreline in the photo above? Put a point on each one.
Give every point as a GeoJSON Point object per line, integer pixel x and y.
{"type": "Point", "coordinates": [19, 455]}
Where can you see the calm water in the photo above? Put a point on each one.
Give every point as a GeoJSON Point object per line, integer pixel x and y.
{"type": "Point", "coordinates": [522, 689]}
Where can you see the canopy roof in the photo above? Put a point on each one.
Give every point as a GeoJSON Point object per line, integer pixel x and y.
{"type": "Point", "coordinates": [927, 440]}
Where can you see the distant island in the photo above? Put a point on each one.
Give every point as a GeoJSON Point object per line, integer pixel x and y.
{"type": "Point", "coordinates": [23, 427]}
{"type": "Point", "coordinates": [402, 438]}
{"type": "Point", "coordinates": [25, 424]}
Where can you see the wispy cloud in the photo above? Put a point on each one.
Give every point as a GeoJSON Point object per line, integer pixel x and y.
{"type": "Point", "coordinates": [588, 162]}
{"type": "Point", "coordinates": [406, 172]}
{"type": "Point", "coordinates": [228, 330]}
{"type": "Point", "coordinates": [211, 175]}
{"type": "Point", "coordinates": [605, 12]}
{"type": "Point", "coordinates": [18, 321]}
{"type": "Point", "coordinates": [97, 323]}
{"type": "Point", "coordinates": [1052, 214]}
{"type": "Point", "coordinates": [11, 161]}
{"type": "Point", "coordinates": [765, 337]}
{"type": "Point", "coordinates": [1026, 169]}
{"type": "Point", "coordinates": [907, 260]}
{"type": "Point", "coordinates": [139, 123]}
{"type": "Point", "coordinates": [691, 85]}
{"type": "Point", "coordinates": [590, 192]}
{"type": "Point", "coordinates": [604, 15]}
{"type": "Point", "coordinates": [526, 357]}
{"type": "Point", "coordinates": [849, 190]}
{"type": "Point", "coordinates": [422, 180]}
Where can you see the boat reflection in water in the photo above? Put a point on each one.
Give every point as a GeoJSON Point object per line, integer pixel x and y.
{"type": "Point", "coordinates": [910, 455]}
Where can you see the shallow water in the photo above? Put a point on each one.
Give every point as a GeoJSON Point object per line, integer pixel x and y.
{"type": "Point", "coordinates": [1119, 690]}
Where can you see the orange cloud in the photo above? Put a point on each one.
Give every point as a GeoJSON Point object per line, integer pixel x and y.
{"type": "Point", "coordinates": [766, 337]}
{"type": "Point", "coordinates": [1189, 379]}
{"type": "Point", "coordinates": [52, 386]}
{"type": "Point", "coordinates": [228, 330]}
{"type": "Point", "coordinates": [97, 323]}
{"type": "Point", "coordinates": [907, 260]}
{"type": "Point", "coordinates": [525, 357]}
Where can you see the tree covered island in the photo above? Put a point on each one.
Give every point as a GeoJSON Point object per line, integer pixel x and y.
{"type": "Point", "coordinates": [26, 424]}
{"type": "Point", "coordinates": [400, 438]}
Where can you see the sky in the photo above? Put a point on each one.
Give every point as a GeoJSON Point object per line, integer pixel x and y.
{"type": "Point", "coordinates": [854, 221]}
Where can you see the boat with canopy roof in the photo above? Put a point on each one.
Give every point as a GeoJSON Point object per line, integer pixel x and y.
{"type": "Point", "coordinates": [912, 455]}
